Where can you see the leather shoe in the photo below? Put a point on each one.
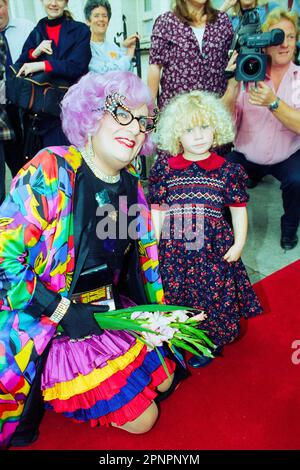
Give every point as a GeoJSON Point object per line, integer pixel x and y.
{"type": "Point", "coordinates": [287, 242]}
{"type": "Point", "coordinates": [199, 361]}
{"type": "Point", "coordinates": [252, 183]}
{"type": "Point", "coordinates": [24, 441]}
{"type": "Point", "coordinates": [202, 361]}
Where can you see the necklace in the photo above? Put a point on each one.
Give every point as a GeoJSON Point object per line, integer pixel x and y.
{"type": "Point", "coordinates": [89, 160]}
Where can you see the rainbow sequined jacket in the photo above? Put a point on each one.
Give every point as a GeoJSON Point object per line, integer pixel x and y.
{"type": "Point", "coordinates": [37, 243]}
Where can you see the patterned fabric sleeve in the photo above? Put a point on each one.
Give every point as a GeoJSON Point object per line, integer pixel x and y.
{"type": "Point", "coordinates": [158, 53]}
{"type": "Point", "coordinates": [157, 187]}
{"type": "Point", "coordinates": [227, 29]}
{"type": "Point", "coordinates": [235, 190]}
{"type": "Point", "coordinates": [23, 219]}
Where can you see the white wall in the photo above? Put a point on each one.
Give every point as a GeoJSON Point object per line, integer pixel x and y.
{"type": "Point", "coordinates": [32, 9]}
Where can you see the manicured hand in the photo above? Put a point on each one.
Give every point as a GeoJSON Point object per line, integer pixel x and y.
{"type": "Point", "coordinates": [32, 67]}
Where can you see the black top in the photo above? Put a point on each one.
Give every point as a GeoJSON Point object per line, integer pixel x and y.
{"type": "Point", "coordinates": [109, 240]}
{"type": "Point", "coordinates": [56, 21]}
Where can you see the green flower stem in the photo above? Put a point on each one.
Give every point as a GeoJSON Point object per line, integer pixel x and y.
{"type": "Point", "coordinates": [157, 352]}
{"type": "Point", "coordinates": [196, 344]}
{"type": "Point", "coordinates": [195, 349]}
{"type": "Point", "coordinates": [182, 345]}
{"type": "Point", "coordinates": [195, 332]}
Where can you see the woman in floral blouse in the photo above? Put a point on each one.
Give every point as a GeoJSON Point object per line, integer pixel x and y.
{"type": "Point", "coordinates": [189, 50]}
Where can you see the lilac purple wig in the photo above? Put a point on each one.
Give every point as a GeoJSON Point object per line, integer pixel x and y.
{"type": "Point", "coordinates": [82, 106]}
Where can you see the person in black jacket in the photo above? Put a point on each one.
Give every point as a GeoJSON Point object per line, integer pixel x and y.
{"type": "Point", "coordinates": [59, 46]}
{"type": "Point", "coordinates": [6, 133]}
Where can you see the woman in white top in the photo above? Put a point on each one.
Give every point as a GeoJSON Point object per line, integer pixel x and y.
{"type": "Point", "coordinates": [106, 56]}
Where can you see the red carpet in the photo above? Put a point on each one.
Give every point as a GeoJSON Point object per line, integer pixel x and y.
{"type": "Point", "coordinates": [247, 399]}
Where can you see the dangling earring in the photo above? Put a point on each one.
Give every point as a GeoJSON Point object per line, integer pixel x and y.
{"type": "Point", "coordinates": [90, 146]}
{"type": "Point", "coordinates": [137, 163]}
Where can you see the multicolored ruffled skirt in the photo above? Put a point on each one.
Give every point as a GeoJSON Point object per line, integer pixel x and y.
{"type": "Point", "coordinates": [110, 378]}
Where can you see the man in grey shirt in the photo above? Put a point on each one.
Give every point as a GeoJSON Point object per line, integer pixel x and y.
{"type": "Point", "coordinates": [14, 32]}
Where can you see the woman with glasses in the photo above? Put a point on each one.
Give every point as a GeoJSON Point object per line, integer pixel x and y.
{"type": "Point", "coordinates": [68, 237]}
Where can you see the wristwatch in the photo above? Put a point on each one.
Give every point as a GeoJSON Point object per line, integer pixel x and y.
{"type": "Point", "coordinates": [274, 105]}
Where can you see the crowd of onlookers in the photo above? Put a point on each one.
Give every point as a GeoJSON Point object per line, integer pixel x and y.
{"type": "Point", "coordinates": [189, 51]}
{"type": "Point", "coordinates": [61, 47]}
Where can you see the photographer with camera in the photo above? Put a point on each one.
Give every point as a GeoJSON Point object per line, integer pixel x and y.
{"type": "Point", "coordinates": [249, 41]}
{"type": "Point", "coordinates": [268, 122]}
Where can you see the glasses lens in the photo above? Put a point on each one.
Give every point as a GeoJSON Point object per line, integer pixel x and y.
{"type": "Point", "coordinates": [122, 115]}
{"type": "Point", "coordinates": [143, 123]}
{"type": "Point", "coordinates": [148, 124]}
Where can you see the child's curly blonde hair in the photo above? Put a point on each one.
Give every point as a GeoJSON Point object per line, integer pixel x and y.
{"type": "Point", "coordinates": [189, 110]}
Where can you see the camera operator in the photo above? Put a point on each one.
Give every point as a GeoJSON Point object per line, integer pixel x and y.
{"type": "Point", "coordinates": [268, 122]}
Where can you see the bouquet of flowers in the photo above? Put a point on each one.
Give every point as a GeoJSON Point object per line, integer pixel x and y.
{"type": "Point", "coordinates": [155, 324]}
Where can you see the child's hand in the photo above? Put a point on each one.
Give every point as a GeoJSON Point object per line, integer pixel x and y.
{"type": "Point", "coordinates": [233, 254]}
{"type": "Point", "coordinates": [200, 316]}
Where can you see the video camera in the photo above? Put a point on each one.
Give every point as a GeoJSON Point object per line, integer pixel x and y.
{"type": "Point", "coordinates": [248, 41]}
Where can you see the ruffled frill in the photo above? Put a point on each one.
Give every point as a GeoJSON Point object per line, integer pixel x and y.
{"type": "Point", "coordinates": [83, 383]}
{"type": "Point", "coordinates": [131, 401]}
{"type": "Point", "coordinates": [106, 389]}
{"type": "Point", "coordinates": [67, 359]}
{"type": "Point", "coordinates": [104, 379]}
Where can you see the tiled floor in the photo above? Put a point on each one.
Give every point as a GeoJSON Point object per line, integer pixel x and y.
{"type": "Point", "coordinates": [263, 254]}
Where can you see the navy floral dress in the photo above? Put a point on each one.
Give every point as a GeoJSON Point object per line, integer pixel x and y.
{"type": "Point", "coordinates": [195, 274]}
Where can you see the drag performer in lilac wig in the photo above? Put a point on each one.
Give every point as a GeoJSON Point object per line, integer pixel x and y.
{"type": "Point", "coordinates": [58, 265]}
{"type": "Point", "coordinates": [82, 110]}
